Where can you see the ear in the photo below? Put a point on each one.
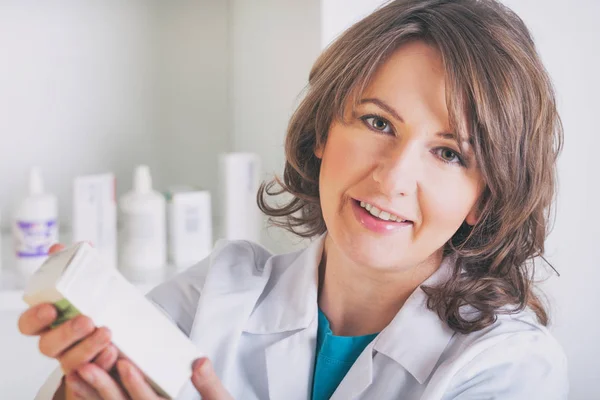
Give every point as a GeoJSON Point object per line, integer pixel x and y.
{"type": "Point", "coordinates": [318, 152]}
{"type": "Point", "coordinates": [475, 214]}
{"type": "Point", "coordinates": [472, 216]}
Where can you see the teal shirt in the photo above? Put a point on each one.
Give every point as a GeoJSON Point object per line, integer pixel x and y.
{"type": "Point", "coordinates": [335, 356]}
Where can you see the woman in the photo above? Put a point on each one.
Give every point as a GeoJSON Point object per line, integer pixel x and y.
{"type": "Point", "coordinates": [422, 162]}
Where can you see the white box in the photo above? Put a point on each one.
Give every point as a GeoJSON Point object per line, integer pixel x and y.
{"type": "Point", "coordinates": [95, 214]}
{"type": "Point", "coordinates": [77, 282]}
{"type": "Point", "coordinates": [190, 226]}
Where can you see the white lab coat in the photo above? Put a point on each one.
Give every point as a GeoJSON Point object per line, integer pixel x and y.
{"type": "Point", "coordinates": [255, 316]}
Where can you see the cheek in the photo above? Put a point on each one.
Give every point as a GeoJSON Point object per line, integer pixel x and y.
{"type": "Point", "coordinates": [347, 158]}
{"type": "Point", "coordinates": [446, 203]}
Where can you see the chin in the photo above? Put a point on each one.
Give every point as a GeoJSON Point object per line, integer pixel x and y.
{"type": "Point", "coordinates": [375, 253]}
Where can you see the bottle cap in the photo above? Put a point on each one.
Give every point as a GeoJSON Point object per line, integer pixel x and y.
{"type": "Point", "coordinates": [142, 181]}
{"type": "Point", "coordinates": [36, 185]}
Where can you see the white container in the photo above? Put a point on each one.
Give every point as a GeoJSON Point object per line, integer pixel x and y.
{"type": "Point", "coordinates": [95, 215]}
{"type": "Point", "coordinates": [35, 226]}
{"type": "Point", "coordinates": [76, 281]}
{"type": "Point", "coordinates": [240, 177]}
{"type": "Point", "coordinates": [144, 239]}
{"type": "Point", "coordinates": [189, 226]}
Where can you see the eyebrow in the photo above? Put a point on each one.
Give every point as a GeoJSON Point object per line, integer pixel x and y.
{"type": "Point", "coordinates": [381, 104]}
{"type": "Point", "coordinates": [384, 106]}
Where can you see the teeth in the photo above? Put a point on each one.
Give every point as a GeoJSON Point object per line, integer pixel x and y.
{"type": "Point", "coordinates": [375, 211]}
{"type": "Point", "coordinates": [384, 215]}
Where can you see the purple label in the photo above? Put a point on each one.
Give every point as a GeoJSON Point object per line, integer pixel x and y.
{"type": "Point", "coordinates": [34, 238]}
{"type": "Point", "coordinates": [36, 226]}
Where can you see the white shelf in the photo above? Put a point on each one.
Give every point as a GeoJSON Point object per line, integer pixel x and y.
{"type": "Point", "coordinates": [11, 300]}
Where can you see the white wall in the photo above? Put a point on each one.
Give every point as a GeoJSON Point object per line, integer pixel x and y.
{"type": "Point", "coordinates": [75, 92]}
{"type": "Point", "coordinates": [193, 100]}
{"type": "Point", "coordinates": [100, 86]}
{"type": "Point", "coordinates": [274, 44]}
{"type": "Point", "coordinates": [338, 15]}
{"type": "Point", "coordinates": [569, 43]}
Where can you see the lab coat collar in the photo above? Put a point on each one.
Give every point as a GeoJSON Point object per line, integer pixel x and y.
{"type": "Point", "coordinates": [289, 301]}
{"type": "Point", "coordinates": [417, 337]}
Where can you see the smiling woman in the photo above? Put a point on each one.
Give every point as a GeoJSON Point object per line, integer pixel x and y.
{"type": "Point", "coordinates": [422, 162]}
{"type": "Point", "coordinates": [388, 117]}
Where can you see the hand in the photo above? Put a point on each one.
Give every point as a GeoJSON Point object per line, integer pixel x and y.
{"type": "Point", "coordinates": [74, 343]}
{"type": "Point", "coordinates": [93, 382]}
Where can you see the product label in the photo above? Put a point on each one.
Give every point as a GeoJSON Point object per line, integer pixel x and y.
{"type": "Point", "coordinates": [33, 239]}
{"type": "Point", "coordinates": [191, 216]}
{"type": "Point", "coordinates": [65, 310]}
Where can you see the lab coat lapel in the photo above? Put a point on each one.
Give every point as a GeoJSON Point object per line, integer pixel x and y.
{"type": "Point", "coordinates": [358, 378]}
{"type": "Point", "coordinates": [289, 311]}
{"type": "Point", "coordinates": [290, 364]}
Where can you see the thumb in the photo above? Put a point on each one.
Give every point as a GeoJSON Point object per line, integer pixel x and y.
{"type": "Point", "coordinates": [207, 382]}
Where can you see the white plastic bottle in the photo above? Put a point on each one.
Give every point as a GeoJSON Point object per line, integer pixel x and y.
{"type": "Point", "coordinates": [143, 237]}
{"type": "Point", "coordinates": [35, 226]}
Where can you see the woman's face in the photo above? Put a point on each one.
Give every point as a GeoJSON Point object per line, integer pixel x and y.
{"type": "Point", "coordinates": [394, 186]}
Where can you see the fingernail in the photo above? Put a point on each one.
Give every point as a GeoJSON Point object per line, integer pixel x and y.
{"type": "Point", "coordinates": [197, 363]}
{"type": "Point", "coordinates": [200, 367]}
{"type": "Point", "coordinates": [103, 336]}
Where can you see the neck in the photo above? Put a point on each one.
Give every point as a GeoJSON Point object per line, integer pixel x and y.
{"type": "Point", "coordinates": [361, 300]}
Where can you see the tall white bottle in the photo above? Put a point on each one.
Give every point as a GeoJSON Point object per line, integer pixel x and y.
{"type": "Point", "coordinates": [143, 240]}
{"type": "Point", "coordinates": [240, 179]}
{"type": "Point", "coordinates": [35, 226]}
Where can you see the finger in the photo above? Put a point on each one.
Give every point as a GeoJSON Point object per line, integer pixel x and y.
{"type": "Point", "coordinates": [76, 388]}
{"type": "Point", "coordinates": [59, 339]}
{"type": "Point", "coordinates": [101, 381]}
{"type": "Point", "coordinates": [37, 319]}
{"type": "Point", "coordinates": [55, 248]}
{"type": "Point", "coordinates": [107, 358]}
{"type": "Point", "coordinates": [207, 382]}
{"type": "Point", "coordinates": [134, 381]}
{"type": "Point", "coordinates": [85, 351]}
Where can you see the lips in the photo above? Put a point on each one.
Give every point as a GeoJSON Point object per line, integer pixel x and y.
{"type": "Point", "coordinates": [376, 224]}
{"type": "Point", "coordinates": [381, 213]}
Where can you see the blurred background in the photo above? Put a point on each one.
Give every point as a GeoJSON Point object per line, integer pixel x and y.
{"type": "Point", "coordinates": [102, 86]}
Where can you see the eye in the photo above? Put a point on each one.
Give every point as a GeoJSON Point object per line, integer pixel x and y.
{"type": "Point", "coordinates": [377, 123]}
{"type": "Point", "coordinates": [449, 156]}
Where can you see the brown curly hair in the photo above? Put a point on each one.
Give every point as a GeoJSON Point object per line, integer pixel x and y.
{"type": "Point", "coordinates": [498, 94]}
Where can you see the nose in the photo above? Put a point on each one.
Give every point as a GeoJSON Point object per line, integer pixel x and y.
{"type": "Point", "coordinates": [398, 171]}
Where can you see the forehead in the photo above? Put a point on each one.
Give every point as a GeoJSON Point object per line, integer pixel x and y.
{"type": "Point", "coordinates": [412, 81]}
